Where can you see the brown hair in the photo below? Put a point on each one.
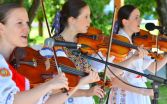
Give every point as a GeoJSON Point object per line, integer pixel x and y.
{"type": "Point", "coordinates": [5, 9]}
{"type": "Point", "coordinates": [70, 8]}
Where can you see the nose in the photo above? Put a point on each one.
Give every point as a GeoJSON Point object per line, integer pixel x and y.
{"type": "Point", "coordinates": [140, 20]}
{"type": "Point", "coordinates": [26, 28]}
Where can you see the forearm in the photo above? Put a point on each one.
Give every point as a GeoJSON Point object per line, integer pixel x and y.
{"type": "Point", "coordinates": [60, 98]}
{"type": "Point", "coordinates": [31, 96]}
{"type": "Point", "coordinates": [80, 93]}
{"type": "Point", "coordinates": [118, 71]}
{"type": "Point", "coordinates": [159, 65]}
{"type": "Point", "coordinates": [119, 84]}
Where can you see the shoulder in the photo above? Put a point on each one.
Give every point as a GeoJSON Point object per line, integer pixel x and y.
{"type": "Point", "coordinates": [61, 52]}
{"type": "Point", "coordinates": [4, 68]}
{"type": "Point", "coordinates": [3, 63]}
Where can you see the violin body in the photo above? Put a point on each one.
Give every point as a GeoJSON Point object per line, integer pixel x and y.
{"type": "Point", "coordinates": [33, 67]}
{"type": "Point", "coordinates": [99, 42]}
{"type": "Point", "coordinates": [149, 41]}
{"type": "Point", "coordinates": [120, 50]}
{"type": "Point", "coordinates": [144, 38]}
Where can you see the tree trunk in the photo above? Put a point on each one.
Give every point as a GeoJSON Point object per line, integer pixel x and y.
{"type": "Point", "coordinates": [21, 2]}
{"type": "Point", "coordinates": [40, 27]}
{"type": "Point", "coordinates": [119, 3]}
{"type": "Point", "coordinates": [162, 12]}
{"type": "Point", "coordinates": [33, 10]}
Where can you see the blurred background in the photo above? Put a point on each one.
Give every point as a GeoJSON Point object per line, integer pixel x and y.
{"type": "Point", "coordinates": [154, 11]}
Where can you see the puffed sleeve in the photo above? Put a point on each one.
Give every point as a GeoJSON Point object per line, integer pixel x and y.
{"type": "Point", "coordinates": [147, 62]}
{"type": "Point", "coordinates": [8, 87]}
{"type": "Point", "coordinates": [97, 65]}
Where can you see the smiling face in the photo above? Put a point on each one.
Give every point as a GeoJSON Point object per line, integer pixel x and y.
{"type": "Point", "coordinates": [82, 22]}
{"type": "Point", "coordinates": [133, 22]}
{"type": "Point", "coordinates": [15, 31]}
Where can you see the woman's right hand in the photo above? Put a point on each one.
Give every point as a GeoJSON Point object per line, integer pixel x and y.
{"type": "Point", "coordinates": [92, 77]}
{"type": "Point", "coordinates": [140, 53]}
{"type": "Point", "coordinates": [59, 81]}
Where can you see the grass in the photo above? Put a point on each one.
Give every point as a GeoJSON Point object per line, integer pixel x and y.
{"type": "Point", "coordinates": [163, 95]}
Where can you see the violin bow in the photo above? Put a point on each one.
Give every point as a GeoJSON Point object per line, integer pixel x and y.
{"type": "Point", "coordinates": [108, 49]}
{"type": "Point", "coordinates": [54, 51]}
{"type": "Point", "coordinates": [47, 24]}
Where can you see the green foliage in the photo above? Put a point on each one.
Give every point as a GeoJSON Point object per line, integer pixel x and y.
{"type": "Point", "coordinates": [26, 3]}
{"type": "Point", "coordinates": [100, 20]}
{"type": "Point", "coordinates": [52, 6]}
{"type": "Point", "coordinates": [9, 1]}
{"type": "Point", "coordinates": [147, 7]}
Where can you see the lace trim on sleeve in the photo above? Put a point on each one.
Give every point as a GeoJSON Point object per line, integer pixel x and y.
{"type": "Point", "coordinates": [27, 84]}
{"type": "Point", "coordinates": [44, 98]}
{"type": "Point", "coordinates": [10, 97]}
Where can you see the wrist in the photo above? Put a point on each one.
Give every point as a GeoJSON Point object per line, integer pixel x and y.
{"type": "Point", "coordinates": [87, 93]}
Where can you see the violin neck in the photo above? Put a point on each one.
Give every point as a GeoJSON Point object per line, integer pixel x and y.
{"type": "Point", "coordinates": [115, 41]}
{"type": "Point", "coordinates": [73, 71]}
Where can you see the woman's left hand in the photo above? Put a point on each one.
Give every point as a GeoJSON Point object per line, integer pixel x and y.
{"type": "Point", "coordinates": [96, 90]}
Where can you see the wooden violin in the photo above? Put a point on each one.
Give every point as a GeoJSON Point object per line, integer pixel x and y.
{"type": "Point", "coordinates": [120, 44]}
{"type": "Point", "coordinates": [32, 66]}
{"type": "Point", "coordinates": [149, 40]}
{"type": "Point", "coordinates": [99, 42]}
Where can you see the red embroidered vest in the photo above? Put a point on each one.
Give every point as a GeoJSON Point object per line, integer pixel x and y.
{"type": "Point", "coordinates": [19, 79]}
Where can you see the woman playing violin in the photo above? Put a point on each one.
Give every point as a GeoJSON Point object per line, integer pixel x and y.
{"type": "Point", "coordinates": [128, 23]}
{"type": "Point", "coordinates": [74, 19]}
{"type": "Point", "coordinates": [15, 87]}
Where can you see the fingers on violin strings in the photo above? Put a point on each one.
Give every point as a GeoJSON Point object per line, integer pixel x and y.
{"type": "Point", "coordinates": [145, 52]}
{"type": "Point", "coordinates": [100, 93]}
{"type": "Point", "coordinates": [140, 52]}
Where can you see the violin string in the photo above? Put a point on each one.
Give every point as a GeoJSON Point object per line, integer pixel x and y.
{"type": "Point", "coordinates": [72, 70]}
{"type": "Point", "coordinates": [68, 68]}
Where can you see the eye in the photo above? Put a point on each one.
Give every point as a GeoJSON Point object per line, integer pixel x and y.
{"type": "Point", "coordinates": [137, 18]}
{"type": "Point", "coordinates": [19, 22]}
{"type": "Point", "coordinates": [28, 23]}
{"type": "Point", "coordinates": [87, 17]}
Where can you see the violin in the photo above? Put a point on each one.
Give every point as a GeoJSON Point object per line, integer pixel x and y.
{"type": "Point", "coordinates": [34, 68]}
{"type": "Point", "coordinates": [99, 42]}
{"type": "Point", "coordinates": [120, 44]}
{"type": "Point", "coordinates": [148, 41]}
{"type": "Point", "coordinates": [32, 65]}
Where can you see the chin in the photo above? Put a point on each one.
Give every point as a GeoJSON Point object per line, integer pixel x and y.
{"type": "Point", "coordinates": [137, 30]}
{"type": "Point", "coordinates": [23, 45]}
{"type": "Point", "coordinates": [83, 32]}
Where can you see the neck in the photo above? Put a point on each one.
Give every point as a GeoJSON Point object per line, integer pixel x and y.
{"type": "Point", "coordinates": [128, 31]}
{"type": "Point", "coordinates": [69, 34]}
{"type": "Point", "coordinates": [6, 50]}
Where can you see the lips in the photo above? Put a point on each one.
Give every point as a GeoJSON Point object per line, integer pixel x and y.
{"type": "Point", "coordinates": [24, 37]}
